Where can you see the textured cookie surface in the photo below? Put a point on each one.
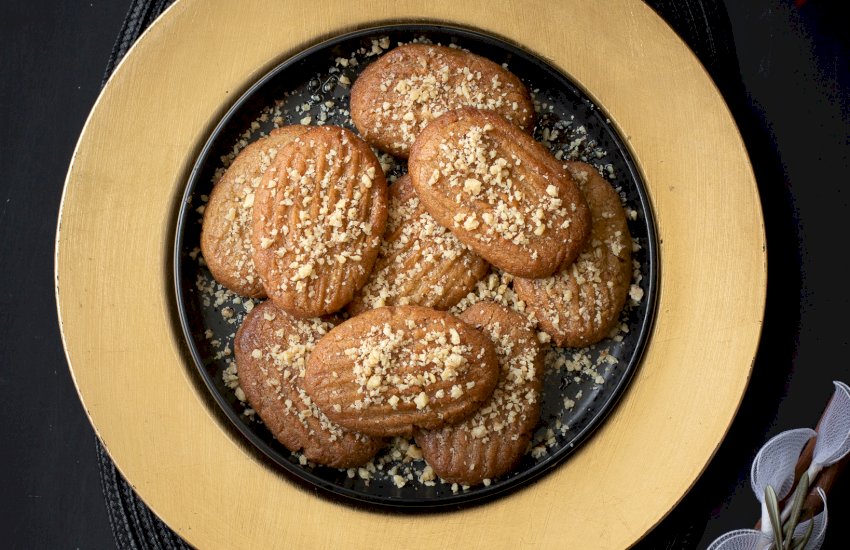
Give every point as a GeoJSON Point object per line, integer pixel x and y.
{"type": "Point", "coordinates": [319, 215]}
{"type": "Point", "coordinates": [391, 369]}
{"type": "Point", "coordinates": [420, 262]}
{"type": "Point", "coordinates": [271, 350]}
{"type": "Point", "coordinates": [491, 442]}
{"type": "Point", "coordinates": [408, 87]}
{"type": "Point", "coordinates": [500, 192]}
{"type": "Point", "coordinates": [228, 221]}
{"type": "Point", "coordinates": [579, 305]}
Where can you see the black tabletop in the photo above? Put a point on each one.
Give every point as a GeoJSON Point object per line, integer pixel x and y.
{"type": "Point", "coordinates": [792, 106]}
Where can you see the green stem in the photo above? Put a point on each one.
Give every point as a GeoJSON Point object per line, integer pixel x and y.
{"type": "Point", "coordinates": [796, 508]}
{"type": "Point", "coordinates": [773, 514]}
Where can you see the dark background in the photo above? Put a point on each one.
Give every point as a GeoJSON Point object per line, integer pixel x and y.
{"type": "Point", "coordinates": [794, 114]}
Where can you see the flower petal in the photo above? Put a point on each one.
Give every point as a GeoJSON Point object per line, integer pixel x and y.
{"type": "Point", "coordinates": [833, 440]}
{"type": "Point", "coordinates": [819, 532]}
{"type": "Point", "coordinates": [742, 539]}
{"type": "Point", "coordinates": [774, 464]}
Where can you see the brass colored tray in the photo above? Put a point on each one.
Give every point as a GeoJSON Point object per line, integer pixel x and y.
{"type": "Point", "coordinates": [136, 377]}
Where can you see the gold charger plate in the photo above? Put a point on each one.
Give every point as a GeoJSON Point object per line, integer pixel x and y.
{"type": "Point", "coordinates": [137, 381]}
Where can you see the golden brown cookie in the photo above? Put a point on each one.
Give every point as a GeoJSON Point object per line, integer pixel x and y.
{"type": "Point", "coordinates": [228, 222]}
{"type": "Point", "coordinates": [500, 192]}
{"type": "Point", "coordinates": [319, 215]}
{"type": "Point", "coordinates": [579, 305]}
{"type": "Point", "coordinates": [420, 262]}
{"type": "Point", "coordinates": [491, 442]}
{"type": "Point", "coordinates": [399, 94]}
{"type": "Point", "coordinates": [271, 349]}
{"type": "Point", "coordinates": [391, 369]}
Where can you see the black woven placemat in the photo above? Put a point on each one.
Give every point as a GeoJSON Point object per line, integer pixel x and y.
{"type": "Point", "coordinates": [703, 24]}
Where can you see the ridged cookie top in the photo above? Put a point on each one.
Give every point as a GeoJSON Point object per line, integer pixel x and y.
{"type": "Point", "coordinates": [319, 215]}
{"type": "Point", "coordinates": [420, 262]}
{"type": "Point", "coordinates": [492, 441]}
{"type": "Point", "coordinates": [579, 305]}
{"type": "Point", "coordinates": [228, 215]}
{"type": "Point", "coordinates": [399, 94]}
{"type": "Point", "coordinates": [500, 192]}
{"type": "Point", "coordinates": [391, 369]}
{"type": "Point", "coordinates": [271, 350]}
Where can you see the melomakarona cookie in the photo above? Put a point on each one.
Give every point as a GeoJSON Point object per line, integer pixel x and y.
{"type": "Point", "coordinates": [405, 89]}
{"type": "Point", "coordinates": [579, 305]}
{"type": "Point", "coordinates": [500, 192]}
{"type": "Point", "coordinates": [392, 369]}
{"type": "Point", "coordinates": [228, 215]}
{"type": "Point", "coordinates": [319, 214]}
{"type": "Point", "coordinates": [272, 349]}
{"type": "Point", "coordinates": [420, 261]}
{"type": "Point", "coordinates": [491, 442]}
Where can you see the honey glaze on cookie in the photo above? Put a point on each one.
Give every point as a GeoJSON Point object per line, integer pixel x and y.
{"type": "Point", "coordinates": [271, 350]}
{"type": "Point", "coordinates": [420, 262]}
{"type": "Point", "coordinates": [579, 305]}
{"type": "Point", "coordinates": [228, 215]}
{"type": "Point", "coordinates": [491, 442]}
{"type": "Point", "coordinates": [391, 369]}
{"type": "Point", "coordinates": [319, 215]}
{"type": "Point", "coordinates": [403, 91]}
{"type": "Point", "coordinates": [500, 192]}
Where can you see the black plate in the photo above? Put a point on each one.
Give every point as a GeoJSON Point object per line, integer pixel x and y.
{"type": "Point", "coordinates": [313, 77]}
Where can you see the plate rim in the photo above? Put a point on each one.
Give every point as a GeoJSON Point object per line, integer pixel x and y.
{"type": "Point", "coordinates": [72, 218]}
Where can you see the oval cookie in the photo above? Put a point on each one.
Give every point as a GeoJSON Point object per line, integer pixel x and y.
{"type": "Point", "coordinates": [420, 262]}
{"type": "Point", "coordinates": [319, 215]}
{"type": "Point", "coordinates": [399, 94]}
{"type": "Point", "coordinates": [391, 369]}
{"type": "Point", "coordinates": [491, 442]}
{"type": "Point", "coordinates": [228, 221]}
{"type": "Point", "coordinates": [500, 192]}
{"type": "Point", "coordinates": [271, 350]}
{"type": "Point", "coordinates": [579, 305]}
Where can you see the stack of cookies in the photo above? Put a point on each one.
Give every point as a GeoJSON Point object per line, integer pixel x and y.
{"type": "Point", "coordinates": [354, 343]}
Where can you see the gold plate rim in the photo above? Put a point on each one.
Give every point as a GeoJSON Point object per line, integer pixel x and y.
{"type": "Point", "coordinates": [117, 317]}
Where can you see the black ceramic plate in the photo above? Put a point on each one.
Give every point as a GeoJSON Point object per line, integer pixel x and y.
{"type": "Point", "coordinates": [568, 122]}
